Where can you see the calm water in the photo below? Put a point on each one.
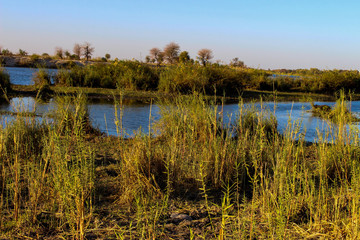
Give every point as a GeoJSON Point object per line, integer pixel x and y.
{"type": "Point", "coordinates": [136, 116]}
{"type": "Point", "coordinates": [23, 76]}
{"type": "Point", "coordinates": [102, 114]}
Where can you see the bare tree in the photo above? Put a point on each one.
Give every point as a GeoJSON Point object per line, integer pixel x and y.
{"type": "Point", "coordinates": [156, 55]}
{"type": "Point", "coordinates": [59, 52]}
{"type": "Point", "coordinates": [204, 55]}
{"type": "Point", "coordinates": [87, 50]}
{"type": "Point", "coordinates": [171, 52]}
{"type": "Point", "coordinates": [77, 50]}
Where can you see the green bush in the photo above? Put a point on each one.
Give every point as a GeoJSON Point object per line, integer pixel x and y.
{"type": "Point", "coordinates": [42, 82]}
{"type": "Point", "coordinates": [42, 77]}
{"type": "Point", "coordinates": [123, 74]}
{"type": "Point", "coordinates": [136, 76]}
{"type": "Point", "coordinates": [34, 57]}
{"type": "Point", "coordinates": [186, 78]}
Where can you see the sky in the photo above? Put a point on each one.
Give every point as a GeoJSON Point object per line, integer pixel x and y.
{"type": "Point", "coordinates": [266, 34]}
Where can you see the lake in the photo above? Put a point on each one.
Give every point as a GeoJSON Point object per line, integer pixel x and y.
{"type": "Point", "coordinates": [136, 116]}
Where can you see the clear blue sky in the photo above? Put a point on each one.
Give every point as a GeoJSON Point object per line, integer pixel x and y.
{"type": "Point", "coordinates": [262, 33]}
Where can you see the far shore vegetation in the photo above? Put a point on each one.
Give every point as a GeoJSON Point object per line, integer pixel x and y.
{"type": "Point", "coordinates": [171, 71]}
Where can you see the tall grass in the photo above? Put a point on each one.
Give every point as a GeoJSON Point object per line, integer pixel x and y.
{"type": "Point", "coordinates": [250, 180]}
{"type": "Point", "coordinates": [47, 171]}
{"type": "Point", "coordinates": [4, 83]}
{"type": "Point", "coordinates": [42, 82]}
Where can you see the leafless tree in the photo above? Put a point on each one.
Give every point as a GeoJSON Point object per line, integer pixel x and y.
{"type": "Point", "coordinates": [87, 50]}
{"type": "Point", "coordinates": [77, 50]}
{"type": "Point", "coordinates": [171, 52]}
{"type": "Point", "coordinates": [204, 55]}
{"type": "Point", "coordinates": [156, 55]}
{"type": "Point", "coordinates": [59, 52]}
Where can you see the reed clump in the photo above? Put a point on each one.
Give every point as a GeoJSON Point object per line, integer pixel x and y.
{"type": "Point", "coordinates": [336, 114]}
{"type": "Point", "coordinates": [4, 83]}
{"type": "Point", "coordinates": [42, 83]}
{"type": "Point", "coordinates": [47, 174]}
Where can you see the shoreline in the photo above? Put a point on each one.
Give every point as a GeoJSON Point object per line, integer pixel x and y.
{"type": "Point", "coordinates": [28, 62]}
{"type": "Point", "coordinates": [146, 96]}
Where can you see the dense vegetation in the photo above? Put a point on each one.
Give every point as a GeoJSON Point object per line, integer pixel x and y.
{"type": "Point", "coordinates": [209, 79]}
{"type": "Point", "coordinates": [123, 74]}
{"type": "Point", "coordinates": [60, 179]}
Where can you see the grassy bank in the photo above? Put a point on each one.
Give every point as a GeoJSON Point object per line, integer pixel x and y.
{"type": "Point", "coordinates": [198, 179]}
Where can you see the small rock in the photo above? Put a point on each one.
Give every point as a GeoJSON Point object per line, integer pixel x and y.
{"type": "Point", "coordinates": [179, 217]}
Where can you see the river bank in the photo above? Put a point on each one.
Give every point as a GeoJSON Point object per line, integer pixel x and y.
{"type": "Point", "coordinates": [29, 62]}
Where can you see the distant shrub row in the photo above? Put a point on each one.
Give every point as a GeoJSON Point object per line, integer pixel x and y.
{"type": "Point", "coordinates": [135, 75]}
{"type": "Point", "coordinates": [329, 81]}
{"type": "Point", "coordinates": [189, 77]}
{"type": "Point", "coordinates": [124, 74]}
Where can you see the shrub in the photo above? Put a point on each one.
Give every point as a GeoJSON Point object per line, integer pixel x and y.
{"type": "Point", "coordinates": [186, 78]}
{"type": "Point", "coordinates": [123, 74]}
{"type": "Point", "coordinates": [41, 77]}
{"type": "Point", "coordinates": [136, 76]}
{"type": "Point", "coordinates": [42, 82]}
{"type": "Point", "coordinates": [34, 57]}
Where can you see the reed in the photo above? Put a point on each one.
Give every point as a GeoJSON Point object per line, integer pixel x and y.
{"type": "Point", "coordinates": [4, 84]}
